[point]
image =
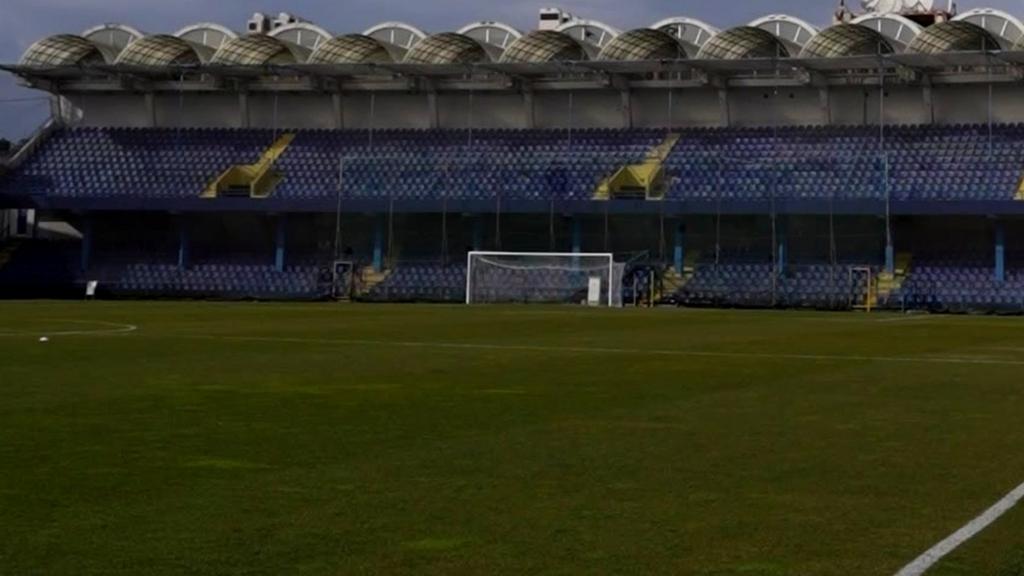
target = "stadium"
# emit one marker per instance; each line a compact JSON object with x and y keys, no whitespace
{"x":750,"y":181}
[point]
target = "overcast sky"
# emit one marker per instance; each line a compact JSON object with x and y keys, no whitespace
{"x":25,"y":21}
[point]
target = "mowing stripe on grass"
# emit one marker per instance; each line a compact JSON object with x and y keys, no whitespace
{"x":105,"y":328}
{"x":981,"y":361}
{"x":925,"y":561}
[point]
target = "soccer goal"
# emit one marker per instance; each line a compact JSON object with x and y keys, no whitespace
{"x":543,"y":277}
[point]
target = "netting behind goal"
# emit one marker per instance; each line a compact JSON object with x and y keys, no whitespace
{"x":531,"y":277}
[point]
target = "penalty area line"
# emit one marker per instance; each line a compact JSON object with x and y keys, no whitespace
{"x":925,"y":561}
{"x":605,"y":350}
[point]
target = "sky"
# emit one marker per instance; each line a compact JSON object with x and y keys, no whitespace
{"x":25,"y":21}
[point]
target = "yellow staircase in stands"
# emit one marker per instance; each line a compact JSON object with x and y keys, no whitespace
{"x":1020,"y":190}
{"x":889,"y":283}
{"x":369,"y":279}
{"x":251,"y":180}
{"x":645,"y":181}
{"x":673,"y":280}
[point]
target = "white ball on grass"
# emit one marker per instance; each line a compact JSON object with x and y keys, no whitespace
{"x":44,"y":339}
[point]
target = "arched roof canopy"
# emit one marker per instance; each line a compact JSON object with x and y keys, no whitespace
{"x":690,"y":32}
{"x":544,"y":46}
{"x":258,"y":50}
{"x":846,"y":40}
{"x":792,"y":31}
{"x":1007,"y":29}
{"x":160,"y":50}
{"x":743,"y":42}
{"x":496,"y":37}
{"x":593,"y":35}
{"x":643,"y":44}
{"x":447,"y":48}
{"x":304,"y":34}
{"x":899,"y":30}
{"x":952,"y":36}
{"x":400,"y":34}
{"x":208,"y":34}
{"x":62,"y":50}
{"x":355,"y":49}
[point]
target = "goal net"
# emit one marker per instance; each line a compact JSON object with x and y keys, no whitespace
{"x":543,"y":277}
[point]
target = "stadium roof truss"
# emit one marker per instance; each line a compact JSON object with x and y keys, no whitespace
{"x":62,"y":50}
{"x":208,"y":34}
{"x":304,"y":34}
{"x":900,"y":30}
{"x":793,"y":32}
{"x":258,"y":50}
{"x":399,"y":34}
{"x":846,"y":40}
{"x":692,"y":33}
{"x":1006,"y":28}
{"x":112,"y":38}
{"x":742,"y":43}
{"x":591,"y":34}
{"x":162,"y":50}
{"x":496,"y":37}
{"x":953,"y":36}
{"x":354,"y":49}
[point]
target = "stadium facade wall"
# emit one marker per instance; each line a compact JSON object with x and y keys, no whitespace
{"x":761,"y":106}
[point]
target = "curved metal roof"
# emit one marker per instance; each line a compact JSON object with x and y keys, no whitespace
{"x":591,"y":33}
{"x":899,"y":30}
{"x":403,"y":35}
{"x":256,"y":50}
{"x":1007,"y":29}
{"x":62,"y":50}
{"x":690,"y":32}
{"x":159,"y":50}
{"x":953,"y":36}
{"x":206,"y":34}
{"x":792,"y":31}
{"x":643,"y":44}
{"x":354,"y":49}
{"x":304,"y":34}
{"x":447,"y":48}
{"x":743,"y":42}
{"x":846,"y":40}
{"x":544,"y":46}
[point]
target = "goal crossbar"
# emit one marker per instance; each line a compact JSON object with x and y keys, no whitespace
{"x":474,"y":255}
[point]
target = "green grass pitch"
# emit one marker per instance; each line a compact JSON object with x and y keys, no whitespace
{"x":345,"y":439}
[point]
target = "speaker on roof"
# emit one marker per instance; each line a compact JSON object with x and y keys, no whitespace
{"x":258,"y":24}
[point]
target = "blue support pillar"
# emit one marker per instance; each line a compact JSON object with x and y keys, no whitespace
{"x":184,"y":244}
{"x":378,"y":244}
{"x":87,"y":240}
{"x":890,"y":258}
{"x":1000,"y":252}
{"x":478,"y":232}
{"x":577,"y":235}
{"x":280,"y":243}
{"x":679,"y":248}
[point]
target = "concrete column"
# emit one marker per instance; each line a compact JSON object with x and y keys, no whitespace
{"x":184,"y":244}
{"x":679,"y":248}
{"x":1000,"y":252}
{"x":435,"y":118}
{"x":529,"y":115}
{"x":378,"y":244}
{"x":626,"y":100}
{"x":339,"y":111}
{"x":825,"y":104}
{"x":723,"y":107}
{"x":243,"y":109}
{"x":151,"y":109}
{"x":87,"y":240}
{"x":928,"y":102}
{"x":890,"y":258}
{"x":280,"y":243}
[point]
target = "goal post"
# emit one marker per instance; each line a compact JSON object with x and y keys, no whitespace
{"x":593,"y":279}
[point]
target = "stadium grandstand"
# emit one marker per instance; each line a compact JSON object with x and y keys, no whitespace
{"x":875,"y":161}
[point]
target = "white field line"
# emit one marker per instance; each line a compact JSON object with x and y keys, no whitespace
{"x":107,"y":328}
{"x":628,"y":351}
{"x":925,"y":561}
